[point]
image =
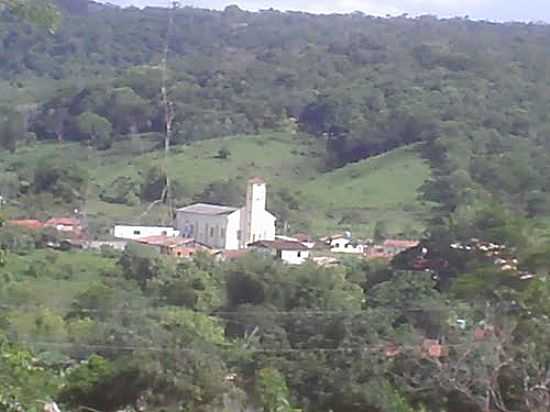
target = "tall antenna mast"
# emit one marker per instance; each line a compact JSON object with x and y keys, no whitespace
{"x":169,"y":115}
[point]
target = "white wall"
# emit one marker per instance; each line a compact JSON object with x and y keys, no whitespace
{"x":256,"y":222}
{"x":136,"y":232}
{"x":216,"y":231}
{"x":233,"y":231}
{"x":345,"y":246}
{"x":294,"y":257}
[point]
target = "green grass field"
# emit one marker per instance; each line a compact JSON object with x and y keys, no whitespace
{"x":353,"y":198}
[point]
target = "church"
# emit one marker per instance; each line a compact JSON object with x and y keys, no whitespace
{"x":230,"y":228}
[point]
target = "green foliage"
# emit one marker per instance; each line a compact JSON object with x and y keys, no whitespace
{"x":154,"y":184}
{"x":380,"y":232}
{"x":39,"y":12}
{"x":11,"y":129}
{"x":140,"y":263}
{"x":24,"y":381}
{"x":223,"y":192}
{"x":223,"y":153}
{"x":272,"y":392}
{"x":122,"y":190}
{"x":95,"y":128}
{"x":61,"y":177}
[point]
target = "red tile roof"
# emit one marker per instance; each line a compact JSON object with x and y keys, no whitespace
{"x":279,"y":245}
{"x":400,"y":244}
{"x":62,"y":221}
{"x":167,"y":241}
{"x":31,"y":224}
{"x":303,"y":237}
{"x":256,"y":179}
{"x":233,"y":254}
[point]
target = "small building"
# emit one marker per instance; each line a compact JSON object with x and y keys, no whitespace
{"x":30,"y":224}
{"x":344,"y":244}
{"x":174,"y":246}
{"x":66,"y":225}
{"x":231,"y":255}
{"x":227,"y":227}
{"x":304,"y":239}
{"x":291,"y":252}
{"x":119,"y":245}
{"x":132,"y":232}
{"x":377,"y":253}
{"x":395,"y":247}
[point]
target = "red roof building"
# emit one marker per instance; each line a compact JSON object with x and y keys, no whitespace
{"x":31,"y":224}
{"x":174,"y":246}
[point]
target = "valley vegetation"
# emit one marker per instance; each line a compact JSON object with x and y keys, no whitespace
{"x":424,"y":127}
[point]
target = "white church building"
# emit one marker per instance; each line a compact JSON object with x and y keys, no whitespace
{"x":231,"y":228}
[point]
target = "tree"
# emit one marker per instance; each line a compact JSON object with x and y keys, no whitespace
{"x":224,"y":153}
{"x":128,"y":112}
{"x":24,"y":380}
{"x":272,"y":392}
{"x":63,"y":179}
{"x":12,"y":129}
{"x":223,"y":192}
{"x":96,"y":129}
{"x":40,"y":12}
{"x":140,"y":263}
{"x":154,"y":184}
{"x":380,"y":232}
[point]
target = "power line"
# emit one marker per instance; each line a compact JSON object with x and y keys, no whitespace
{"x":164,"y":349}
{"x":216,"y":313}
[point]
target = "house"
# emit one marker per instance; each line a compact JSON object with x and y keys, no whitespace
{"x":119,"y":245}
{"x":291,"y":252}
{"x":30,"y":224}
{"x":395,"y":247}
{"x":226,"y":227}
{"x":174,"y":246}
{"x":304,"y":239}
{"x":344,"y":244}
{"x":66,"y":225}
{"x":230,"y":255}
{"x":377,"y":252}
{"x":131,"y":232}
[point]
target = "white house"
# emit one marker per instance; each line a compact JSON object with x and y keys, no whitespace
{"x":291,"y":252}
{"x":136,"y":232}
{"x":230,"y":228}
{"x":302,"y":238}
{"x":343,"y":244}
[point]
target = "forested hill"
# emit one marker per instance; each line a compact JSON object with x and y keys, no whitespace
{"x":476,"y":92}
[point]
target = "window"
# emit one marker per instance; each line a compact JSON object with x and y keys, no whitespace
{"x":211,"y":232}
{"x":222,"y":232}
{"x":164,"y":233}
{"x":299,"y":254}
{"x":238,"y":235}
{"x":137,"y":232}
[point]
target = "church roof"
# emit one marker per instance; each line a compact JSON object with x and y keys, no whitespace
{"x":208,"y":209}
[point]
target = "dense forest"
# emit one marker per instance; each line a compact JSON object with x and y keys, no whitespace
{"x":442,"y":327}
{"x":474,"y":92}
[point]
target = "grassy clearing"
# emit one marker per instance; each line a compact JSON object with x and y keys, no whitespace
{"x":384,"y":188}
{"x":353,"y":197}
{"x":36,"y":278}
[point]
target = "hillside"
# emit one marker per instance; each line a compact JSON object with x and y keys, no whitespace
{"x":358,"y":195}
{"x":474,"y":95}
